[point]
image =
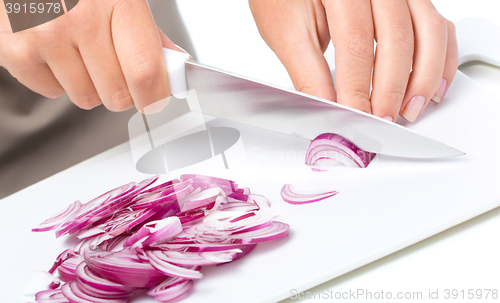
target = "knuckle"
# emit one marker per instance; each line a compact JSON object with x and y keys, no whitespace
{"x":359,"y":94}
{"x":393,"y":96}
{"x":356,"y":98}
{"x":144,"y":72}
{"x":321,"y":90}
{"x":401,"y":33}
{"x":307,"y":89}
{"x":438,"y":22}
{"x":20,"y":60}
{"x":20,"y":53}
{"x":358,"y":42}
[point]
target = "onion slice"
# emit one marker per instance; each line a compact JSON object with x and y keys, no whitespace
{"x":60,"y":218}
{"x":161,"y":263}
{"x":332,"y":150}
{"x":171,"y":289}
{"x":67,"y":270}
{"x":51,"y":296}
{"x":155,"y":232}
{"x":124,"y":267}
{"x":290,"y":195}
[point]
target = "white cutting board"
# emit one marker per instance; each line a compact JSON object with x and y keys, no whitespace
{"x":386,"y":207}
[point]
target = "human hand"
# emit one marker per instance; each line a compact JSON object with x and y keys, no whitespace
{"x":415,"y":61}
{"x":102,"y":51}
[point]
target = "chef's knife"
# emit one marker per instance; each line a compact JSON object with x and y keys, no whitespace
{"x":237,"y":98}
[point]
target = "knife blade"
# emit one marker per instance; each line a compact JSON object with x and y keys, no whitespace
{"x":240,"y":99}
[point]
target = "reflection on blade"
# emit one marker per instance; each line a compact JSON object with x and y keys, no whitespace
{"x":224,"y":95}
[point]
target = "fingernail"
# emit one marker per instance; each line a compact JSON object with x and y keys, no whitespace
{"x":155,"y":107}
{"x":388,"y":118}
{"x":440,"y":91}
{"x":190,"y":57}
{"x":180,"y":48}
{"x":413,"y":108}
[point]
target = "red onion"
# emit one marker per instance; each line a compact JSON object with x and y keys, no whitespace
{"x":332,"y":150}
{"x":56,"y":221}
{"x":290,"y":195}
{"x":155,"y":239}
{"x":162,"y":231}
{"x":67,"y":269}
{"x":200,"y":199}
{"x":124,"y":267}
{"x":51,"y":296}
{"x":327,"y":150}
{"x":158,"y":260}
{"x":260,"y":200}
{"x":170,"y":289}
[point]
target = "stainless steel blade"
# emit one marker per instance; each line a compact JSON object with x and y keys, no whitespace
{"x":236,"y":98}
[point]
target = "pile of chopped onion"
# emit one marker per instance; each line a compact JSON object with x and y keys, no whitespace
{"x":154,"y":239}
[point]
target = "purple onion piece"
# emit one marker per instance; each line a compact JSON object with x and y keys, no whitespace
{"x":51,"y":296}
{"x":331,"y":149}
{"x":164,"y":293}
{"x":290,"y":195}
{"x":158,"y":261}
{"x":57,"y":220}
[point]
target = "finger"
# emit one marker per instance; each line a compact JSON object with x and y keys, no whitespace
{"x":451,"y":64}
{"x":70,"y":71}
{"x":394,"y":35}
{"x":308,"y":70}
{"x":29,"y":69}
{"x":38,"y":78}
{"x":139,"y":50}
{"x":430,"y":30}
{"x":351,"y":29}
{"x":93,"y":38}
{"x":300,"y":44}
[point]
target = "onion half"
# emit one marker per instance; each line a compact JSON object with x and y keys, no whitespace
{"x":329,"y":149}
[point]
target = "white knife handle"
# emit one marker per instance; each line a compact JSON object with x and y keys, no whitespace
{"x":176,"y":71}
